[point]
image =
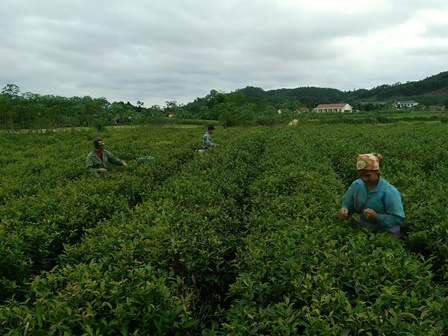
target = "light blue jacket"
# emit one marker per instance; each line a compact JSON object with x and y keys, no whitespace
{"x":207,"y":141}
{"x":385,"y":199}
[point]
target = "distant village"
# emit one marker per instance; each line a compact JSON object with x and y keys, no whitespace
{"x":378,"y":105}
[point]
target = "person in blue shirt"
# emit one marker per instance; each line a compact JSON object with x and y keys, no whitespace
{"x":207,"y":139}
{"x":377,"y":202}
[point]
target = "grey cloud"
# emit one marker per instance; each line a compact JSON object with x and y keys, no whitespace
{"x":155,"y":51}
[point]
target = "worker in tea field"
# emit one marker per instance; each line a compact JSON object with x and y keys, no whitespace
{"x":99,"y":159}
{"x":376,"y":201}
{"x":207,"y":139}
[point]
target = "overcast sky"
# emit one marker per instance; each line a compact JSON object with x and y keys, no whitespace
{"x":155,"y":51}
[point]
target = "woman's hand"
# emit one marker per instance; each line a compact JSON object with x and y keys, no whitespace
{"x":370,"y":214}
{"x":343,"y":213}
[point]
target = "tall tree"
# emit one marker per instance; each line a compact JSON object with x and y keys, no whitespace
{"x":8,"y":102}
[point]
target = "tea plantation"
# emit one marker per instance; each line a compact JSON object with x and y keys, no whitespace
{"x":243,"y":240}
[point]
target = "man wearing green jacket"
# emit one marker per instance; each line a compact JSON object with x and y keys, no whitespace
{"x":98,"y":160}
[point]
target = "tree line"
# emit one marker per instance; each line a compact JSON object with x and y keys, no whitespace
{"x":33,"y":111}
{"x":247,"y":106}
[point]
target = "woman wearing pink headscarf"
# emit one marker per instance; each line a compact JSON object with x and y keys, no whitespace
{"x":376,"y":201}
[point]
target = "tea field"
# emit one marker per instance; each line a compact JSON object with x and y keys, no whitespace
{"x":243,"y":240}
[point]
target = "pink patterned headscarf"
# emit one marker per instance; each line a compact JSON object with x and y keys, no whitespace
{"x":369,"y":161}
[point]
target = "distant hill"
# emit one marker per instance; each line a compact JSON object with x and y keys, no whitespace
{"x":431,"y":91}
{"x":305,"y":95}
{"x":427,"y":92}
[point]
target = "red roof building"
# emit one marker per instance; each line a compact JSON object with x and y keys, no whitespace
{"x":343,"y":107}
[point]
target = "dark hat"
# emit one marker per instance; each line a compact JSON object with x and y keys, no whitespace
{"x":211,"y":127}
{"x":99,"y":143}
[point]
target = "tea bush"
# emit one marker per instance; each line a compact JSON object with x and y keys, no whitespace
{"x":243,"y":240}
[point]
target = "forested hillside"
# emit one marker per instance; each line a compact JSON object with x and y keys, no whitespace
{"x":427,"y":92}
{"x":248,"y":106}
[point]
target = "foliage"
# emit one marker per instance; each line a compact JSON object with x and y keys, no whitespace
{"x":33,"y":111}
{"x":243,"y":107}
{"x":428,"y":92}
{"x":242,"y":240}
